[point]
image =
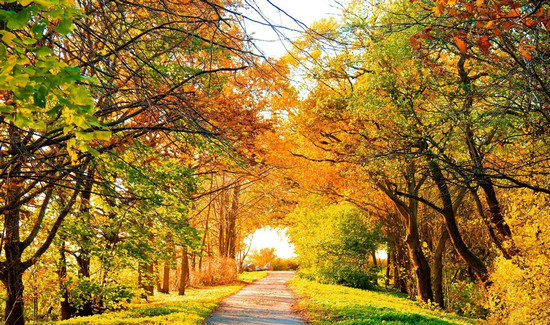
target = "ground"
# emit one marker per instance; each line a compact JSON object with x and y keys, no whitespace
{"x":267,"y":301}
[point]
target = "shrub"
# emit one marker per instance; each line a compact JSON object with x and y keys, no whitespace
{"x":215,"y":271}
{"x":333,"y":243}
{"x":466,"y":298}
{"x":285,"y":264}
{"x":343,"y":274}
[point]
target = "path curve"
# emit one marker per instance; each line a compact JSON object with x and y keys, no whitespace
{"x":266,"y":301}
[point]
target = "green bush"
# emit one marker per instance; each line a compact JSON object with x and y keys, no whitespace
{"x":99,"y":297}
{"x":334,"y":244}
{"x":343,"y":274}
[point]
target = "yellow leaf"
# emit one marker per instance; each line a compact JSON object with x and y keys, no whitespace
{"x":8,"y":37}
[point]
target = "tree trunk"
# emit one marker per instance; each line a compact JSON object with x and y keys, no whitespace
{"x":231,"y":224}
{"x":12,"y":273}
{"x":66,"y":309}
{"x":165,"y":279}
{"x":421,"y":269}
{"x":477,"y":266}
{"x":184,"y":274}
{"x":13,"y":281}
{"x":145,"y":280}
{"x":409,"y":216}
{"x":373,"y":255}
{"x":437,"y":269}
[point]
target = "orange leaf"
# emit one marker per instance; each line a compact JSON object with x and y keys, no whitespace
{"x":514,"y":13}
{"x":462,"y":46}
{"x":531,"y":23}
{"x":526,"y":54}
{"x":484,"y":44}
{"x":414,"y":42}
{"x":540,"y":12}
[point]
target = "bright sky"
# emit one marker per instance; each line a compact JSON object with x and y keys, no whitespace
{"x":305,"y":11}
{"x":272,"y":238}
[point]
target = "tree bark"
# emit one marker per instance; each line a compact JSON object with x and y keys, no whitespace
{"x":409,"y":216}
{"x":184,"y":273}
{"x":437,"y":269}
{"x":165,"y":279}
{"x":477,"y":266}
{"x":373,"y":255}
{"x":66,"y":309}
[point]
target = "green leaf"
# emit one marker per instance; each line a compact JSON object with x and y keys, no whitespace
{"x":40,"y":97}
{"x":87,"y":136}
{"x":52,"y":113}
{"x":64,"y":27}
{"x":38,"y":28}
{"x":43,"y":51}
{"x":19,"y":20}
{"x":6,"y":109}
{"x":20,"y":80}
{"x":21,"y":120}
{"x":87,"y":148}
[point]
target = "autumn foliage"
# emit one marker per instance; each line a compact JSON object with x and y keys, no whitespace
{"x":143,"y":142}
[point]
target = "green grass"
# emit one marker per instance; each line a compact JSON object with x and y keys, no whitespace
{"x":192,"y":308}
{"x":334,"y":304}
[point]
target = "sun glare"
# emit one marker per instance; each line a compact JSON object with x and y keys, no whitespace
{"x":272,"y":238}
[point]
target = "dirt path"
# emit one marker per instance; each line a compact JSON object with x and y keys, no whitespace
{"x":267,"y":301}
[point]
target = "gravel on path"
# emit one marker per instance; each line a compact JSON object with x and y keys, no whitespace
{"x":266,"y":301}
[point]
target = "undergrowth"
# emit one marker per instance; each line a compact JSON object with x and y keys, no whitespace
{"x":192,"y":308}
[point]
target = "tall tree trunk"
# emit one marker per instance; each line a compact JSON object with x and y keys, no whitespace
{"x":165,"y":279}
{"x":83,"y":257}
{"x":231,"y":222}
{"x":389,"y":265}
{"x":421,"y":269}
{"x":409,"y":216}
{"x":13,"y":281}
{"x":184,"y":273}
{"x":373,"y":255}
{"x":399,"y":278}
{"x":484,"y":181}
{"x":12,"y":273}
{"x":437,"y":268}
{"x":66,"y":309}
{"x":477,"y":266}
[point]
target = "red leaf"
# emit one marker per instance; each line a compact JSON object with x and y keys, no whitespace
{"x":484,"y":44}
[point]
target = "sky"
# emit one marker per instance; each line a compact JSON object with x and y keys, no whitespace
{"x":272,"y":238}
{"x":304,"y":11}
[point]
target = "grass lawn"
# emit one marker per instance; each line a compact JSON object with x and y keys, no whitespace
{"x":334,"y":304}
{"x":192,"y":308}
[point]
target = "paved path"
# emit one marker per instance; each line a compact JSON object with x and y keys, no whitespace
{"x":266,"y":301}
